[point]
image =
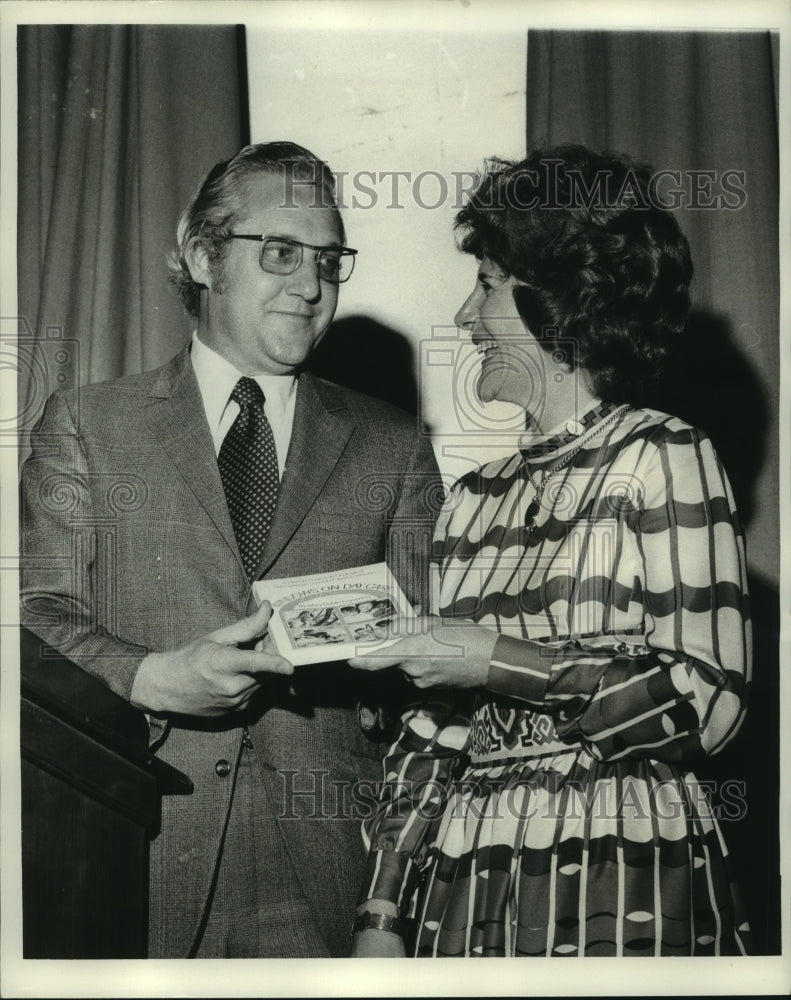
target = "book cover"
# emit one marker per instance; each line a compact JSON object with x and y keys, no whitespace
{"x":332,"y":616}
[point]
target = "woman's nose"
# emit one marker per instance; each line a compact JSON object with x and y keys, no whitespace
{"x":468,"y":312}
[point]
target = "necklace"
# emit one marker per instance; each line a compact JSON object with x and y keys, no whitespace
{"x":535,"y":504}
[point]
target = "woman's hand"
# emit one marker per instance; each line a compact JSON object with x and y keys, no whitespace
{"x":436,"y":651}
{"x":372,"y":943}
{"x":375,"y":943}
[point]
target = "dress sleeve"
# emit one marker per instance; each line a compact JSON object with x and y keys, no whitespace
{"x":682,"y":691}
{"x":417,"y":772}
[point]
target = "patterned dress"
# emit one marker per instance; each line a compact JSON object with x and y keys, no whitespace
{"x":553,"y":812}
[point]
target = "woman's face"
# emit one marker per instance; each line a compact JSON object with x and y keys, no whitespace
{"x":513,"y":366}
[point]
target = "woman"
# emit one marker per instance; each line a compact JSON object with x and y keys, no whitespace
{"x":591,"y":633}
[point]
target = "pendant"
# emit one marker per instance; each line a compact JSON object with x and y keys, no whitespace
{"x":531,"y":513}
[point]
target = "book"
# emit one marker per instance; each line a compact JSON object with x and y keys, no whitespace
{"x":333,"y":616}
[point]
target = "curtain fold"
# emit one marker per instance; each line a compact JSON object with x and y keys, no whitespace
{"x":117,"y":125}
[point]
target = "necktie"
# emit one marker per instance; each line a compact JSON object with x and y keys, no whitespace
{"x":248,"y":469}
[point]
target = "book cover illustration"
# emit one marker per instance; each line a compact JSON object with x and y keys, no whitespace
{"x":332,"y":616}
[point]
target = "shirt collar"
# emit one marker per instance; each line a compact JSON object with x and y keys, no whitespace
{"x":217,"y":377}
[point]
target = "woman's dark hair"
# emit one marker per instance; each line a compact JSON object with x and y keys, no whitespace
{"x":221,"y":198}
{"x":605,"y":269}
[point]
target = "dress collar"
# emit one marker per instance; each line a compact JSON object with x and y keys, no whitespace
{"x":539,"y":448}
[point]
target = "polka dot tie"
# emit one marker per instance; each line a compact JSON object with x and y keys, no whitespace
{"x":248,"y":468}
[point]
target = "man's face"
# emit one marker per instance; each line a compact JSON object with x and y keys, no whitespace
{"x":269,"y":323}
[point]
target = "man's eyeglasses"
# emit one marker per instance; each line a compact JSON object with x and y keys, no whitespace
{"x":280,"y":255}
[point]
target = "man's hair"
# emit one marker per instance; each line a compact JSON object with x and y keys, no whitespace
{"x":602,"y":265}
{"x":214,"y":208}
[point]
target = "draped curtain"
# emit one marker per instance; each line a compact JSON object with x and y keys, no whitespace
{"x":694,"y":102}
{"x":117,"y":125}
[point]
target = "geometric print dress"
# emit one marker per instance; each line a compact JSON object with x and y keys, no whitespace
{"x":554,"y":812}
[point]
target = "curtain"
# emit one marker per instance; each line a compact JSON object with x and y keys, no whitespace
{"x":117,"y":125}
{"x":695,"y":102}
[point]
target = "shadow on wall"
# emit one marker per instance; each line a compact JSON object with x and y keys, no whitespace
{"x":360,"y":353}
{"x":714,"y":386}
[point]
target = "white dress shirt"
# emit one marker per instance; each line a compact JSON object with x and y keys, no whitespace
{"x":216,"y":380}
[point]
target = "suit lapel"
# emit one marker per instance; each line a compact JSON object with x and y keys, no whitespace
{"x":321,"y":431}
{"x":177,"y":419}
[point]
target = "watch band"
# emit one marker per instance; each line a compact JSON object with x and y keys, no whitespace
{"x":380,"y":922}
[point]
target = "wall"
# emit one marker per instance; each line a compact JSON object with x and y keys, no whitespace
{"x":434,"y":104}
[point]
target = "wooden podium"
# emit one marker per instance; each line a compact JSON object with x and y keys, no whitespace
{"x":90,"y":804}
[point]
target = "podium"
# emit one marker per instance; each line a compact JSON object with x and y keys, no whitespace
{"x":91,"y":796}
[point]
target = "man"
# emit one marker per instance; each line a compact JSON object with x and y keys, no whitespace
{"x":151,"y":504}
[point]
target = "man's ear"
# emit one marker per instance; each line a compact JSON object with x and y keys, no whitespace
{"x":197,"y":259}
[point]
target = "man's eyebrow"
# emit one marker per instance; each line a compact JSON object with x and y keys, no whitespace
{"x":287,"y":236}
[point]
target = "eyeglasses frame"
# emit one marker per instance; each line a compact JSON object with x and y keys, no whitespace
{"x":263,"y":237}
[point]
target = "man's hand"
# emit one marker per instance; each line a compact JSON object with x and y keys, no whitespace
{"x":208,"y":676}
{"x":436,"y":651}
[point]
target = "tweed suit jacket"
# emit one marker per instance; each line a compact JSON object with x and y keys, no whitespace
{"x":128,"y":547}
